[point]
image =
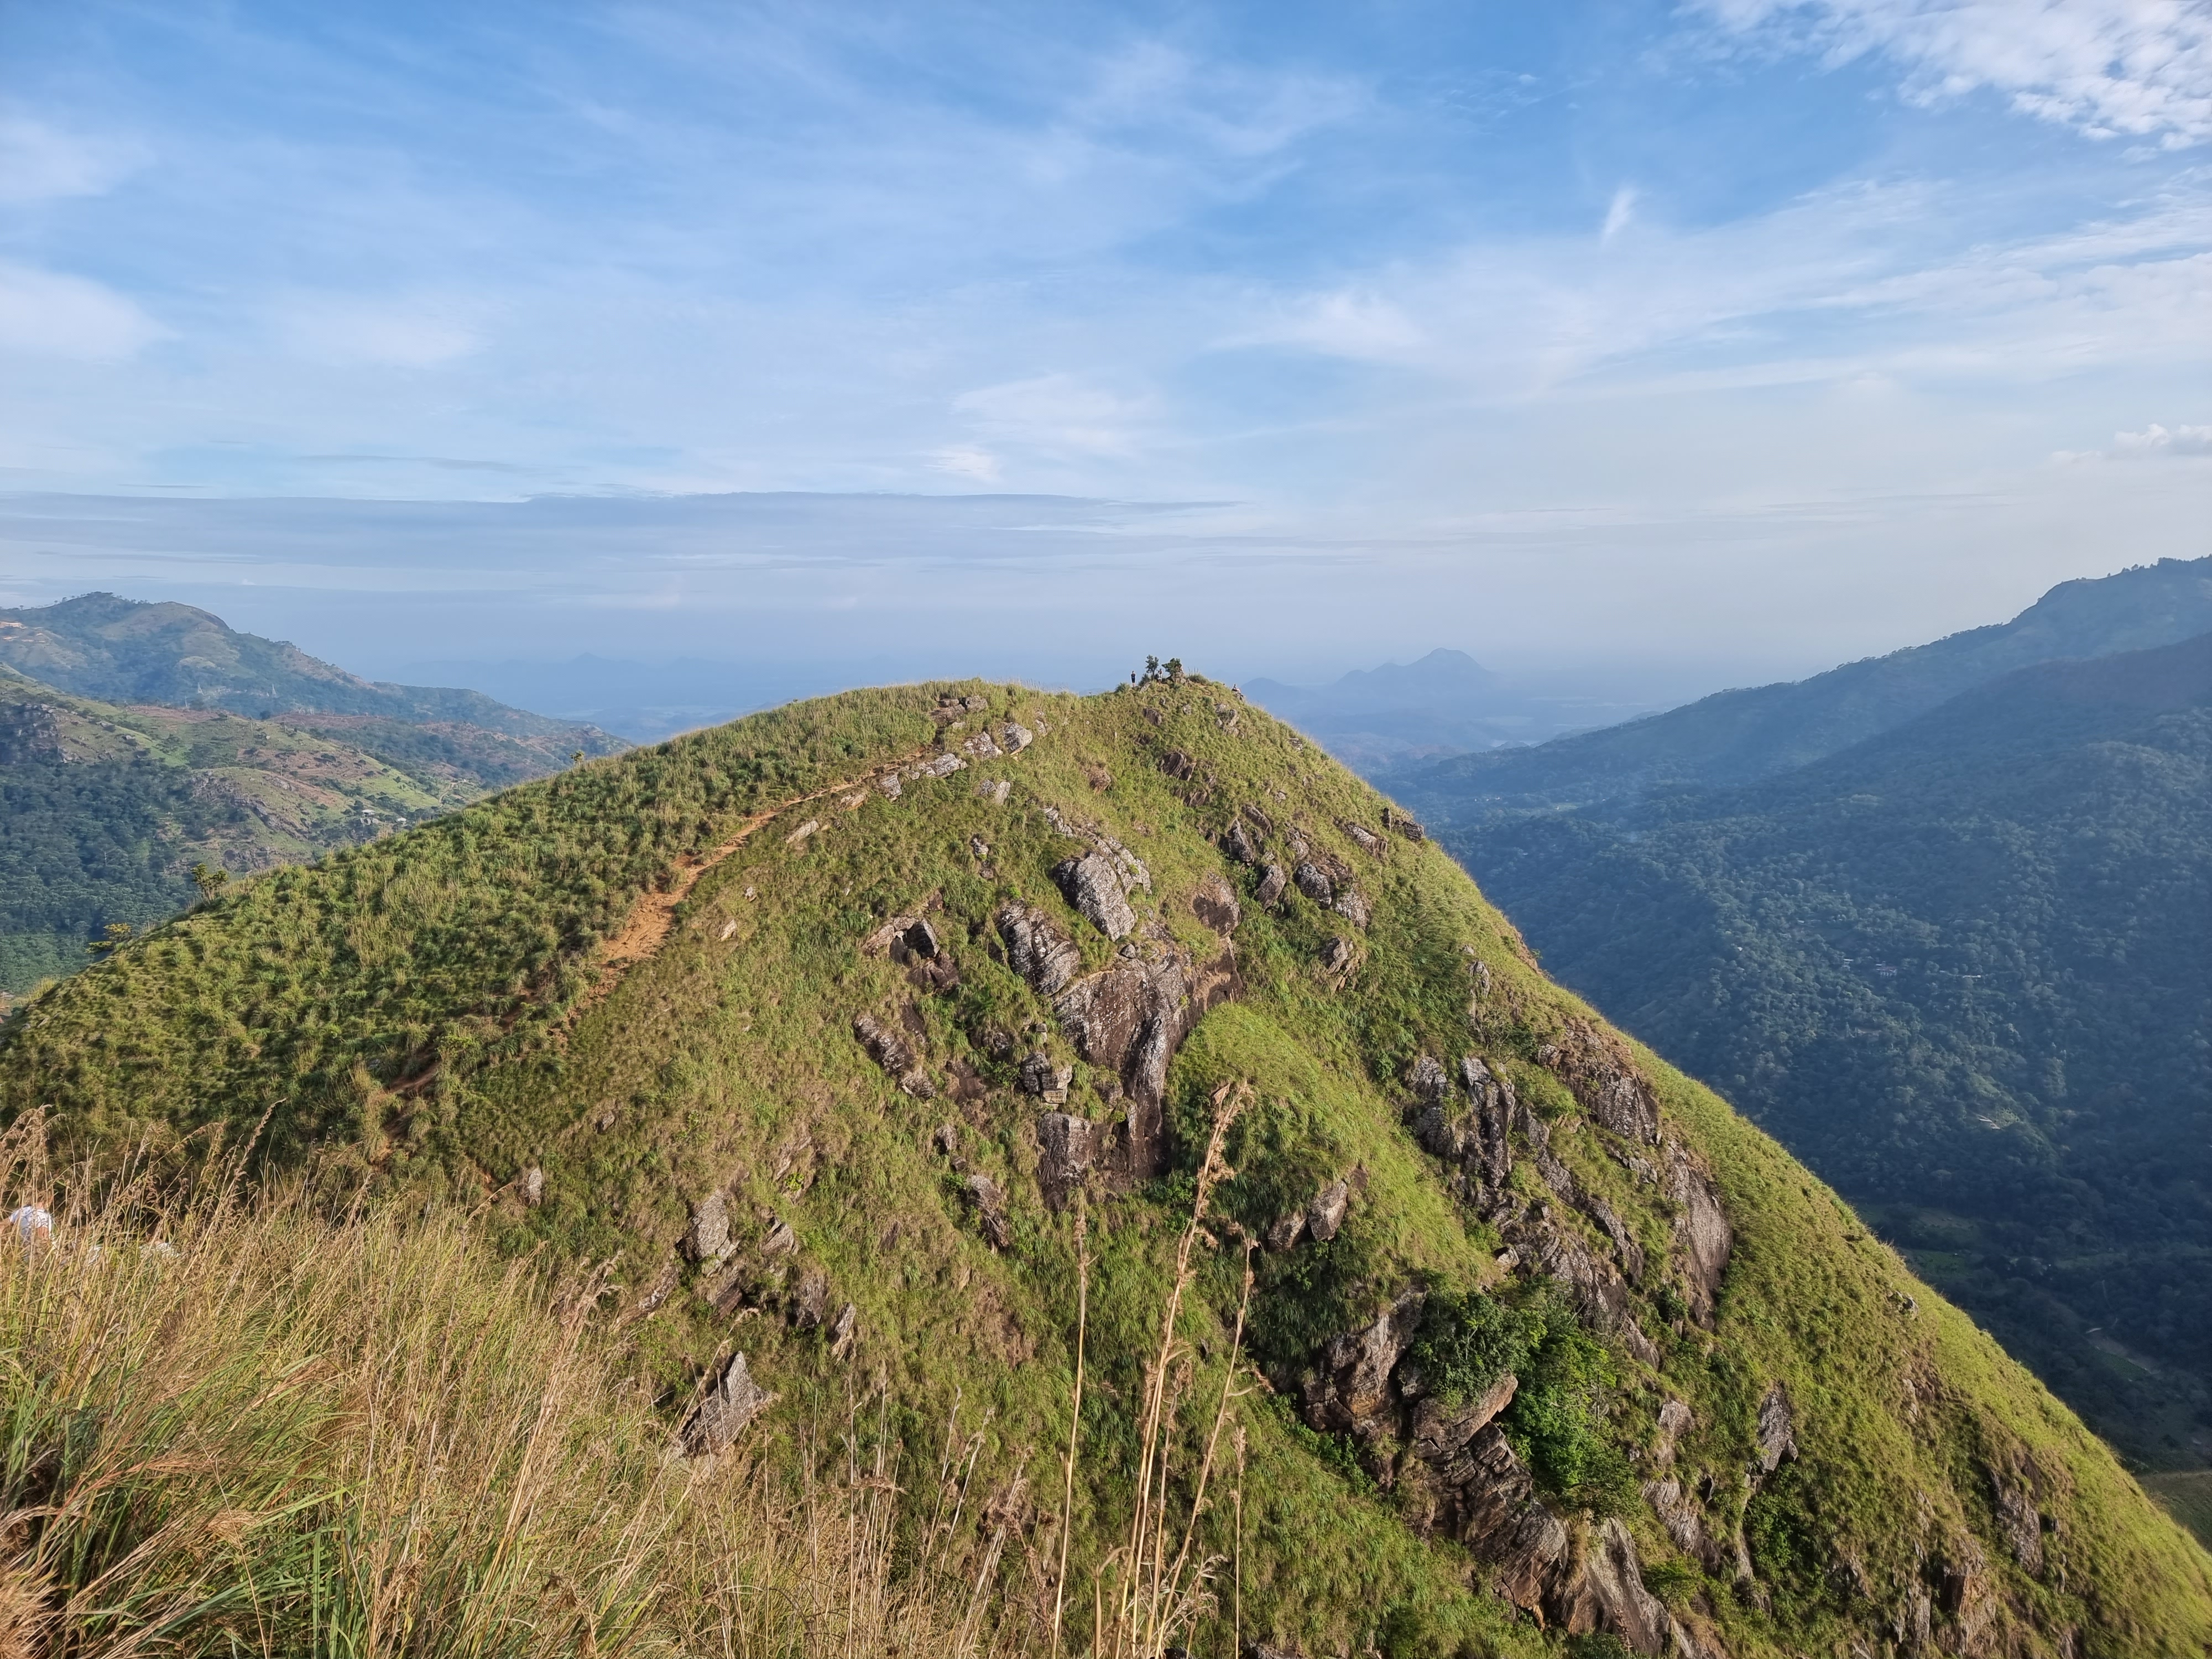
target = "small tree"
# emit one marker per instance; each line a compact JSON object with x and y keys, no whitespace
{"x":118,"y":934}
{"x":210,"y":878}
{"x":575,"y":757}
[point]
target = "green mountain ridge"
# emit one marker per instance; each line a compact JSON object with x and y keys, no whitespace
{"x":827,"y":1025}
{"x":1739,"y":737}
{"x":1959,"y":968}
{"x":123,"y":651}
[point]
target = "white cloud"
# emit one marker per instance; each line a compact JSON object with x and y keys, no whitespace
{"x":1619,"y":215}
{"x":2155,"y":439}
{"x":2139,"y":69}
{"x":348,"y":332}
{"x":41,"y":163}
{"x":967,"y":461}
{"x":1058,"y":414}
{"x":48,"y":313}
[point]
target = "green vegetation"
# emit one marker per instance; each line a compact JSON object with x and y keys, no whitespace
{"x":108,"y":813}
{"x":582,"y":1010}
{"x":1960,"y":970}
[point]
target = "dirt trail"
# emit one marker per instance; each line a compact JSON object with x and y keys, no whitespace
{"x":646,"y":927}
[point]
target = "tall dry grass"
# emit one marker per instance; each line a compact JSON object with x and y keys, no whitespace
{"x":238,"y":1426}
{"x":235,"y":1424}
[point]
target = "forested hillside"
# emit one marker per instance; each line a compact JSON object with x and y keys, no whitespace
{"x":104,"y":809}
{"x":1962,"y":970}
{"x":1113,"y":1125}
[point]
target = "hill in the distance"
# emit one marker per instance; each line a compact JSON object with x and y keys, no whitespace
{"x":123,"y":651}
{"x":1738,"y":736}
{"x":1402,"y":713}
{"x":137,"y":740}
{"x":889,"y":1041}
{"x":1960,"y":969}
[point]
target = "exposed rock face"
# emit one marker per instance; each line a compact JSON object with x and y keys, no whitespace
{"x":1611,"y":1596}
{"x":707,"y":1237}
{"x":1036,"y":949}
{"x":1366,"y":839}
{"x":884,"y":1046}
{"x":1015,"y":738}
{"x":1272,"y":881}
{"x":1351,"y":905}
{"x":1066,"y":1146}
{"x":1608,"y":1085}
{"x":1337,"y":953}
{"x":989,"y":1201}
{"x":533,"y":1187}
{"x":2019,"y":1520}
{"x":1701,"y":1231}
{"x":842,"y":1331}
{"x":1177,"y":765}
{"x":1130,"y":1020}
{"x":1095,"y":887}
{"x":1239,"y":845}
{"x":733,"y":1401}
{"x":1327,"y":1212}
{"x":1215,"y":906}
{"x":1287,"y":1230}
{"x":1351,"y":1391}
{"x":1441,"y":1432}
{"x":1425,"y":1078}
{"x":1675,"y":1420}
{"x":1777,"y":1438}
{"x":810,"y":1303}
{"x":1313,"y":881}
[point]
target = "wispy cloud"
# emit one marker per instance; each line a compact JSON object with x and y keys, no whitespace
{"x":2153,"y":442}
{"x":50,"y":313}
{"x":2109,"y":69}
{"x":41,"y":162}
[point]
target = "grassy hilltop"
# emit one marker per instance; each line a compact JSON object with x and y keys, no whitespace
{"x":906,"y":1080}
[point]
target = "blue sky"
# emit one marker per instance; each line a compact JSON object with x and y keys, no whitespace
{"x":1706,"y":342}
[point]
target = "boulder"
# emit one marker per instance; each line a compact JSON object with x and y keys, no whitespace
{"x":1239,"y":845}
{"x":995,"y":791}
{"x":533,"y":1187}
{"x":780,"y":1240}
{"x":1325,"y":1215}
{"x":990,"y":1202}
{"x":733,"y":1401}
{"x":1177,"y":765}
{"x":707,"y":1237}
{"x":1014,"y":738}
{"x":842,"y":1330}
{"x":1409,"y":827}
{"x":1094,"y":886}
{"x":1337,"y":953}
{"x":1287,"y":1230}
{"x":1035,"y":949}
{"x":1272,"y":881}
{"x":1066,"y":1146}
{"x":1215,"y":905}
{"x":1351,"y":905}
{"x":980,"y":747}
{"x":1367,"y":840}
{"x":1313,"y":881}
{"x":1044,"y":1079}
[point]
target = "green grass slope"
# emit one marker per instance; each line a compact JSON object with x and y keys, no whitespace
{"x":736,"y":1015}
{"x":1960,"y":970}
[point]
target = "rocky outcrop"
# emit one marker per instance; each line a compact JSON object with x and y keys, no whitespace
{"x":1130,"y":1020}
{"x":1045,"y":1079}
{"x":2019,"y":1522}
{"x":1325,"y":1215}
{"x":1239,"y":844}
{"x":1351,"y":1391}
{"x":1607,"y":1084}
{"x":1272,"y":881}
{"x":706,"y":1239}
{"x":1066,"y":1148}
{"x":989,"y":1199}
{"x":1777,"y":1436}
{"x":733,"y":1401}
{"x":1313,"y":881}
{"x":1094,"y":886}
{"x":1036,"y":949}
{"x":891,"y":1051}
{"x":1702,"y":1234}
